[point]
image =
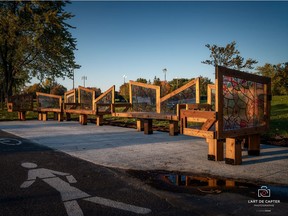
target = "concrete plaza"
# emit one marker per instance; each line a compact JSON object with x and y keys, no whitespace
{"x":126,"y":148}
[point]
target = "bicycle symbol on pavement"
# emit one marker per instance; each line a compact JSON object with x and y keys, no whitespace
{"x":10,"y":141}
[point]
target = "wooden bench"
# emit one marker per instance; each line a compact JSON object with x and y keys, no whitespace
{"x":242,"y":113}
{"x":90,"y":105}
{"x":49,"y":103}
{"x":147,"y":97}
{"x":20,"y":104}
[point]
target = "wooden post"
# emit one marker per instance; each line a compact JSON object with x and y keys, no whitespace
{"x":140,"y":125}
{"x":39,"y":116}
{"x":44,"y":116}
{"x":60,"y":116}
{"x":215,"y":150}
{"x":148,"y":126}
{"x":83,"y":119}
{"x":183,"y":124}
{"x":99,"y":120}
{"x":22,"y":115}
{"x":173,"y":128}
{"x":254,"y":145}
{"x":233,"y":152}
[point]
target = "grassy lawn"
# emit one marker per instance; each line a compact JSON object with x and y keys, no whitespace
{"x":279,"y":117}
{"x":278,"y":123}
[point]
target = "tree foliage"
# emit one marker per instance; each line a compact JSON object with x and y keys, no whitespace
{"x":228,"y":56}
{"x":34,"y":42}
{"x":279,"y":77}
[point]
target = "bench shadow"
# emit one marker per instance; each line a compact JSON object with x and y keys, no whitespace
{"x":266,"y":156}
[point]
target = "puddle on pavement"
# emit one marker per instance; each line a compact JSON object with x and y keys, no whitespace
{"x":203,"y":185}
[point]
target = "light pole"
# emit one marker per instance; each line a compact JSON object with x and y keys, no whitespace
{"x":73,"y":79}
{"x":84,"y":78}
{"x":164,"y":71}
{"x":124,"y":77}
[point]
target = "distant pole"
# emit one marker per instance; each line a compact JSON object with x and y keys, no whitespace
{"x":124,"y":77}
{"x":73,"y":79}
{"x":84,"y":78}
{"x":164,"y":71}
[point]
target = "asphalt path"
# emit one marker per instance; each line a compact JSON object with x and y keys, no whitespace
{"x":36,"y":180}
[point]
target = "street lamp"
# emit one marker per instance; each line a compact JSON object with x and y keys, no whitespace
{"x":73,"y":79}
{"x":84,"y":78}
{"x":124,"y":77}
{"x":164,"y":71}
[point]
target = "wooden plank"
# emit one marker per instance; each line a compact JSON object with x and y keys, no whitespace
{"x":81,"y":111}
{"x":206,"y":107}
{"x":177,"y":91}
{"x":233,"y":152}
{"x":48,"y":110}
{"x":208,"y":124}
{"x":147,"y":115}
{"x":112,"y":90}
{"x":198,"y":133}
{"x":48,"y":95}
{"x":243,"y":132}
{"x":210,"y":87}
{"x":144,"y":85}
{"x":60,"y":116}
{"x":44,"y":116}
{"x":198,"y":90}
{"x":222,"y":71}
{"x":198,"y":114}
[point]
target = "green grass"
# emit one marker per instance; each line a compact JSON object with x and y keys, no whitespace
{"x":278,"y":120}
{"x":279,"y":117}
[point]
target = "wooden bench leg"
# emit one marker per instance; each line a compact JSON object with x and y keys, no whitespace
{"x":233,"y":152}
{"x":83,"y":119}
{"x":22,"y":116}
{"x":39,"y":116}
{"x":140,"y":125}
{"x":44,"y":116}
{"x":254,"y":145}
{"x":148,"y":126}
{"x":173,"y":128}
{"x":99,"y":120}
{"x":68,"y":117}
{"x":60,"y":116}
{"x":215,"y":150}
{"x":183,"y":124}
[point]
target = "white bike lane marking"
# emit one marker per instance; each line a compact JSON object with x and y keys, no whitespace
{"x":10,"y":141}
{"x":70,"y":194}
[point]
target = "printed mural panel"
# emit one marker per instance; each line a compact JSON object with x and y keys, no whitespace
{"x":243,"y":102}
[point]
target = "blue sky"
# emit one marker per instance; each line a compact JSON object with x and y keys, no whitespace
{"x":140,"y":39}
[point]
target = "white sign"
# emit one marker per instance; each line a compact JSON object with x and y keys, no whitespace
{"x":70,"y":194}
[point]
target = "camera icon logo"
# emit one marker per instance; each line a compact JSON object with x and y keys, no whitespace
{"x":264,"y":192}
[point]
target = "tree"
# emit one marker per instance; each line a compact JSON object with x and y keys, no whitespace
{"x":141,"y":80}
{"x":34,"y":42}
{"x":279,"y":77}
{"x":124,"y":91}
{"x":228,"y":57}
